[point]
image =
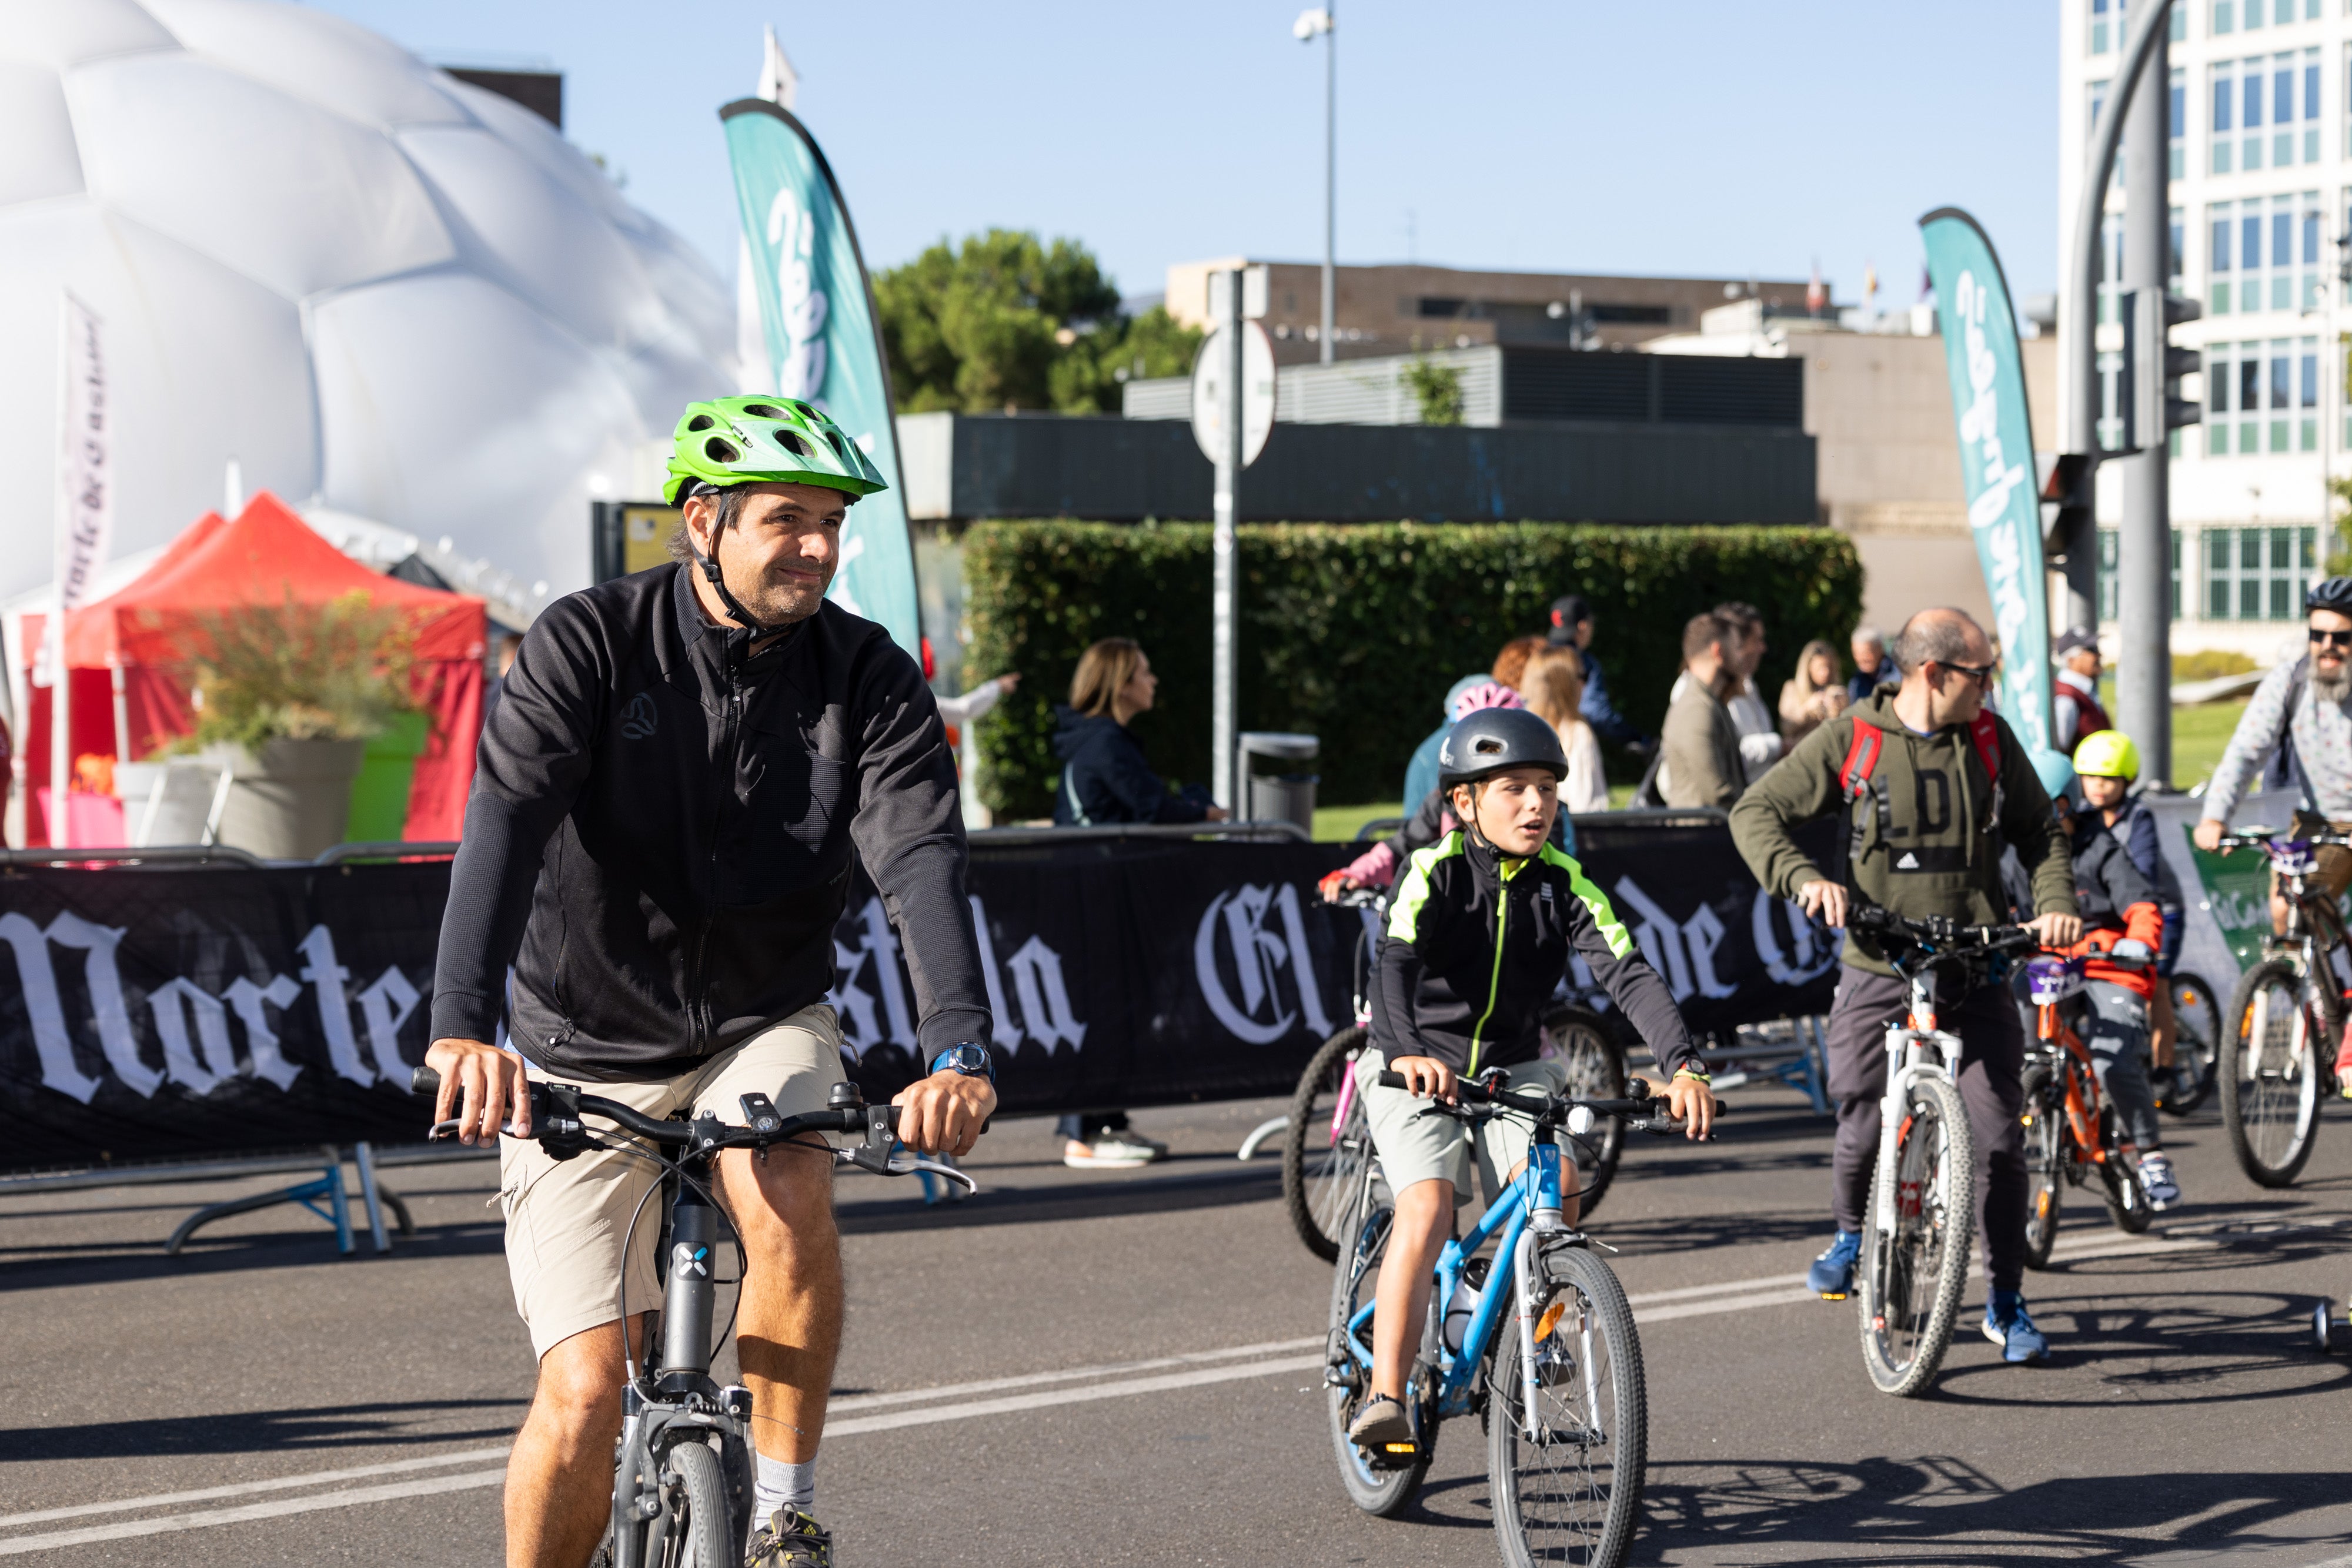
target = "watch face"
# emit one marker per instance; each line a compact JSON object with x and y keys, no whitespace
{"x":966,"y":1059}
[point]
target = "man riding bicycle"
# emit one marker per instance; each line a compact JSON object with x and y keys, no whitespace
{"x":2303,"y":711}
{"x":1932,"y":785}
{"x":1480,"y":933}
{"x":660,"y":842}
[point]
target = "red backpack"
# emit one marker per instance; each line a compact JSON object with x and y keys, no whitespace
{"x":1862,"y":760}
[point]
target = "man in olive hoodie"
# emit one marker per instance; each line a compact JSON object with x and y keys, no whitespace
{"x":1933,"y":827}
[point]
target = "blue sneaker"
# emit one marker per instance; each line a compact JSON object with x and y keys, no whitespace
{"x":1831,"y":1275}
{"x":2007,"y":1326}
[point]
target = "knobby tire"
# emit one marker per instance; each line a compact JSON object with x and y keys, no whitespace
{"x":1572,"y":1496}
{"x":2049,"y":1146}
{"x":1382,"y":1494}
{"x":1909,"y":1284}
{"x":2270,"y":1102}
{"x":1320,"y":1175}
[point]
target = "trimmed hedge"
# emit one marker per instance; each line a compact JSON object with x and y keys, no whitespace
{"x":1354,"y":632}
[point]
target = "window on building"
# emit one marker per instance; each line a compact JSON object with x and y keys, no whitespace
{"x":2177,"y":248}
{"x":2225,"y":16}
{"x":2306,"y":395}
{"x":2249,"y":114}
{"x":2110,"y":555}
{"x":2225,"y":120}
{"x":2310,"y":106}
{"x":2283,"y":75}
{"x":2099,"y":34}
{"x":2258,"y":573}
{"x":2217,"y":260}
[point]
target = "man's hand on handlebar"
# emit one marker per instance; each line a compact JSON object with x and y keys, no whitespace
{"x":1824,"y":901}
{"x":942,"y":1115}
{"x":2207,"y":835}
{"x":490,"y":1083}
{"x":1425,"y":1077}
{"x":2056,"y":930}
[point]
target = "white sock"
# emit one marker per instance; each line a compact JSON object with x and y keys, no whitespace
{"x":783,"y":1484}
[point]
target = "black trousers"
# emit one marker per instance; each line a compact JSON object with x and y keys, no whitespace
{"x":1992,"y":1059}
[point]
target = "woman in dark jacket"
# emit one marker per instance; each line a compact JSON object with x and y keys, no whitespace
{"x":1107,"y":779}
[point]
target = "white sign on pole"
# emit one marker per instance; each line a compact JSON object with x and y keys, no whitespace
{"x":85,"y":525}
{"x":1257,"y":393}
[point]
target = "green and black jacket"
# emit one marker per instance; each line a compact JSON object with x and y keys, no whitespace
{"x":1928,"y":826}
{"x":1478,"y":942}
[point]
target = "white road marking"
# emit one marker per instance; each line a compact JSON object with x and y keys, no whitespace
{"x":1030,"y":1380}
{"x":1074,"y":1395}
{"x":1658,"y":1306}
{"x":277,"y":1483}
{"x":123,"y":1529}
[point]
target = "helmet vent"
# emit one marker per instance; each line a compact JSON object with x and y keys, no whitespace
{"x":764,"y":411}
{"x":1488,"y":746}
{"x":840,"y":443}
{"x":792,"y":441}
{"x":701,"y":422}
{"x":719,"y":451}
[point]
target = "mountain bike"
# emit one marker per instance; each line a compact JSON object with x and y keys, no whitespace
{"x":1327,"y":1143}
{"x":683,"y":1470}
{"x":2277,"y":1056}
{"x":2071,"y":1128}
{"x":1560,"y":1393}
{"x":1922,"y":1214}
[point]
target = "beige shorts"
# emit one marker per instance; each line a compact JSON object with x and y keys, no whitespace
{"x":1417,"y":1142}
{"x":566,"y":1219}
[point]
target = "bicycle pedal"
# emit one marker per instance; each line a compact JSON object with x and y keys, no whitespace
{"x":1390,"y":1455}
{"x":1836,"y":1295}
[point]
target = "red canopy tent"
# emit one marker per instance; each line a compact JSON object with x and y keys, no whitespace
{"x":266,"y":554}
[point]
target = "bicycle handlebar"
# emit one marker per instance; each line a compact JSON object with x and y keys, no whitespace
{"x":1639,"y":1111}
{"x":557,"y":1116}
{"x":2259,"y":838}
{"x":1940,"y":935}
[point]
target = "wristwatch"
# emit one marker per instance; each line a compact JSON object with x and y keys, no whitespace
{"x":971,"y":1061}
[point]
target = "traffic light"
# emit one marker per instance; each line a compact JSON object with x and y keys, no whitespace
{"x":2151,"y":406}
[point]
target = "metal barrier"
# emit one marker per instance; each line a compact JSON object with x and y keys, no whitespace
{"x":388,"y":850}
{"x":154,"y":854}
{"x":1258,"y":831}
{"x":1800,"y":1060}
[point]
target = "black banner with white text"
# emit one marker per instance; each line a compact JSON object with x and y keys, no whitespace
{"x":186,"y":1012}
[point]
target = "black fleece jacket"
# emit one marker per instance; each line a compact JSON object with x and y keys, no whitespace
{"x":660,"y":834}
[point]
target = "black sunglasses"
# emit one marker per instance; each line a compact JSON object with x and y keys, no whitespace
{"x":1979,"y":673}
{"x":2333,"y":639}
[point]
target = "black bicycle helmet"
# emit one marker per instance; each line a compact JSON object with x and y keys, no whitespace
{"x":2335,"y":594}
{"x":1492,"y":740}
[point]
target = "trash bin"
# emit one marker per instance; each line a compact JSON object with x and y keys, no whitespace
{"x":1277,"y":789}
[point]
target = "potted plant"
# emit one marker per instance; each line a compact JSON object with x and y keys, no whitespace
{"x":287,"y":697}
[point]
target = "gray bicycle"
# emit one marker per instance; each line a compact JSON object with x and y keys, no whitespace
{"x":682,"y":1473}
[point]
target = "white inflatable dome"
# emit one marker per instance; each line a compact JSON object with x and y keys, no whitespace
{"x":388,"y":294}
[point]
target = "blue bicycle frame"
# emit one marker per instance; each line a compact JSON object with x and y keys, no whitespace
{"x":1529,"y":1207}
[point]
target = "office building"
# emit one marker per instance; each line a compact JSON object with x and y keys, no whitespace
{"x":1400,"y":309}
{"x":2261,"y":146}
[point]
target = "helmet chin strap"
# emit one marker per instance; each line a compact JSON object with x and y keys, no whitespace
{"x":710,"y":564}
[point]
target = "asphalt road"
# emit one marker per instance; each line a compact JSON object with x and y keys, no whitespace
{"x":1151,"y":1339}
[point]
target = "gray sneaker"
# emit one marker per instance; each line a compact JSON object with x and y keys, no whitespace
{"x":1112,"y":1151}
{"x":1381,"y":1421}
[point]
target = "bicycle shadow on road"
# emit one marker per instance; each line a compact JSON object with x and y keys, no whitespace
{"x":1226,"y":1183}
{"x":407,"y":1424}
{"x":1942,"y":1510}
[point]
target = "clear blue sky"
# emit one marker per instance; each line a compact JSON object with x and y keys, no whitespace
{"x":1710,"y":137}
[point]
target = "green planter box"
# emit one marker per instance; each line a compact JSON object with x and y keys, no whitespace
{"x":380,"y":794}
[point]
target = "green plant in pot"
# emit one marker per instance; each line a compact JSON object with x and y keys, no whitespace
{"x":286,"y":697}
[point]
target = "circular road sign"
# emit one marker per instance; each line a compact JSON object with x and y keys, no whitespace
{"x":1257,"y":393}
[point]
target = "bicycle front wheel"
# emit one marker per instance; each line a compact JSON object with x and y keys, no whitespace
{"x":1596,"y":1071}
{"x":2196,"y":1041}
{"x":695,"y":1528}
{"x":1911,"y":1278}
{"x":2268,"y":1072}
{"x":1324,"y":1152}
{"x":1567,"y":1486}
{"x":1381,"y":1490}
{"x":2046,"y":1154}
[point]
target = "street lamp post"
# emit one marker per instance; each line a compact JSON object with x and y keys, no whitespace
{"x":1325,"y":21}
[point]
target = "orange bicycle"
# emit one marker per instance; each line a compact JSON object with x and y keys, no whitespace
{"x":2070,"y":1129}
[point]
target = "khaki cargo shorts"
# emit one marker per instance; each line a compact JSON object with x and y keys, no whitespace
{"x":566,"y":1219}
{"x":1417,"y":1142}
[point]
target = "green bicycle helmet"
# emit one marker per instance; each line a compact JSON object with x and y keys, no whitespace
{"x":762,"y":439}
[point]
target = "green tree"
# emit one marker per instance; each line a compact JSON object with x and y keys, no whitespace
{"x":1006,"y":321}
{"x":1437,"y":387}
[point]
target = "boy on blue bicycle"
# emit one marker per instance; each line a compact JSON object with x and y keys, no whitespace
{"x":1480,"y":933}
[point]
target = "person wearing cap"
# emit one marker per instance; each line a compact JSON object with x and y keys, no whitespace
{"x":2074,"y":697}
{"x":1453,"y":999}
{"x":2106,"y":766}
{"x":1572,"y":627}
